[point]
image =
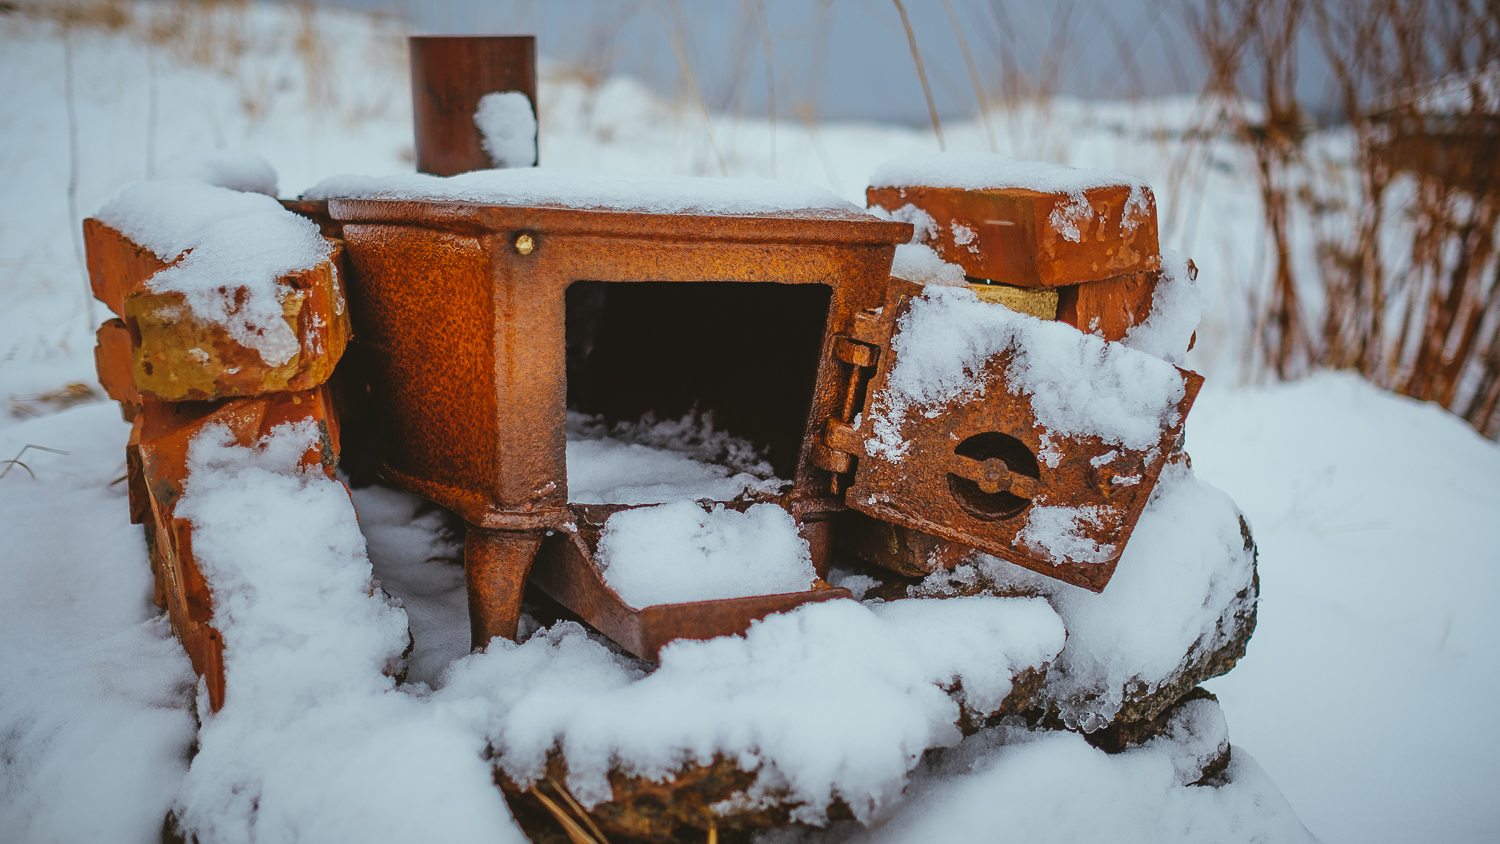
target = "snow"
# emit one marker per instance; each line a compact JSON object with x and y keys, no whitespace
{"x":1014,"y":784}
{"x":96,"y":711}
{"x":1367,"y":691}
{"x":609,"y":471}
{"x":834,"y":698}
{"x":1380,"y":606}
{"x":675,"y":553}
{"x":1078,"y":384}
{"x":924,"y":228}
{"x":508,"y":126}
{"x":312,"y":743}
{"x":1176,"y":310}
{"x":238,"y":245}
{"x":598,"y":190}
{"x":656,"y":462}
{"x":989,"y":171}
{"x":917,"y":263}
{"x":1185,"y":572}
{"x":234,"y":169}
{"x":1060,"y":534}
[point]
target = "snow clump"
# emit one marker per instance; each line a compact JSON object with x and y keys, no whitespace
{"x":508,"y":125}
{"x":1079,"y":385}
{"x":918,"y":263}
{"x":232,"y":169}
{"x":1176,"y":309}
{"x":238,"y":245}
{"x":924,"y":228}
{"x":675,"y":553}
{"x":834,"y":699}
{"x":314,"y":742}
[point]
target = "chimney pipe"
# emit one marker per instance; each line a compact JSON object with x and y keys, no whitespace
{"x":449,"y":74}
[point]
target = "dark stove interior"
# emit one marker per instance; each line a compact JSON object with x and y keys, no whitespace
{"x":745,"y":352}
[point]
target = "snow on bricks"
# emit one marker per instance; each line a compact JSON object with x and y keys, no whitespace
{"x":159,"y":472}
{"x":1090,"y":234}
{"x":215,"y":300}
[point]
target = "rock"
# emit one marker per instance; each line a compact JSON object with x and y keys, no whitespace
{"x":698,"y":797}
{"x":1192,"y":729}
{"x":1082,"y":692}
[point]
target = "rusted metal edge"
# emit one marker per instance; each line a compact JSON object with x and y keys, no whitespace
{"x":565,"y":571}
{"x":1091,"y":576}
{"x":472,"y":509}
{"x":794,"y":227}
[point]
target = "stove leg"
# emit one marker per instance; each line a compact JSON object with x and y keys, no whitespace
{"x":496,"y":563}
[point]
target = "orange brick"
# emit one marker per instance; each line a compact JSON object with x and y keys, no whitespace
{"x":1022,"y":237}
{"x":1108,"y":308}
{"x":118,"y":267}
{"x":179,"y":357}
{"x":160,"y":441}
{"x":113,"y":363}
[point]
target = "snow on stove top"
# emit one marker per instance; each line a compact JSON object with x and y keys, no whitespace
{"x":541,"y":186}
{"x":989,"y":171}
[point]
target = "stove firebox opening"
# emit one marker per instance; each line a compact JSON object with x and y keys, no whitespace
{"x":744,"y":352}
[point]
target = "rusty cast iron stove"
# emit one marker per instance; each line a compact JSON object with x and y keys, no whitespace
{"x":479,"y":325}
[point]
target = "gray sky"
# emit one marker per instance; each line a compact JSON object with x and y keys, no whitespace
{"x":850,"y":58}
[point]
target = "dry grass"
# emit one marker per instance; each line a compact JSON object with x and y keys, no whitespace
{"x":1405,"y":230}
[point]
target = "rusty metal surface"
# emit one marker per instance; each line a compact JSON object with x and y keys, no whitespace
{"x":462,"y":313}
{"x":496,"y":565}
{"x":466,"y":336}
{"x":565,"y":571}
{"x":972,"y":474}
{"x":1013,"y":235}
{"x":449,"y":74}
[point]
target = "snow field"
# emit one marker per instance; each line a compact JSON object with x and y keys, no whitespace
{"x":1365,"y":694}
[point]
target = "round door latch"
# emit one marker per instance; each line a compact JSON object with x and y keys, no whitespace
{"x":993,"y":476}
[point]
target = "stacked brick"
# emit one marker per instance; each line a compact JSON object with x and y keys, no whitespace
{"x":176,"y":374}
{"x":1100,"y":264}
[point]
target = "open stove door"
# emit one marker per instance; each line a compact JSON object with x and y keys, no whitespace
{"x":984,"y":472}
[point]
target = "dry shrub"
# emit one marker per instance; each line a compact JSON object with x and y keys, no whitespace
{"x":1403,"y":194}
{"x":1413,"y":282}
{"x":1252,"y":44}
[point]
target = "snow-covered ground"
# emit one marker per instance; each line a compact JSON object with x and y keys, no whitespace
{"x":1365,"y":701}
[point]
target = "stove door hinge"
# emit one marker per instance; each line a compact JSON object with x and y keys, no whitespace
{"x":839,"y":444}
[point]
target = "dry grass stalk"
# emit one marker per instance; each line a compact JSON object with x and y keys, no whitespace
{"x":1428,"y":149}
{"x":916,"y":55}
{"x":676,"y":38}
{"x":1252,"y":44}
{"x":765,"y":37}
{"x":963,"y":46}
